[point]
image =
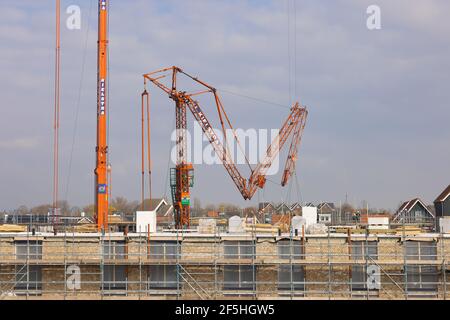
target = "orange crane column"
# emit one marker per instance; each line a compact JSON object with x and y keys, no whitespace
{"x":183,"y":168}
{"x":55,"y":212}
{"x":101,"y":170}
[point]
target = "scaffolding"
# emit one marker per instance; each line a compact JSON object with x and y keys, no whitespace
{"x":189,"y":265}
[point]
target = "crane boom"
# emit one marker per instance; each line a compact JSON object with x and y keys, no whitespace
{"x":101,"y":169}
{"x":258,"y":177}
{"x":293,"y":125}
{"x":228,"y":163}
{"x":291,"y":160}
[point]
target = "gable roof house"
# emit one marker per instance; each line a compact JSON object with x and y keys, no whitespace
{"x":296,"y":208}
{"x":265,"y":211}
{"x":442,"y":205}
{"x":164,"y":210}
{"x":414,"y":212}
{"x":266,"y":207}
{"x":283,"y":208}
{"x":326,"y":207}
{"x":327,"y":213}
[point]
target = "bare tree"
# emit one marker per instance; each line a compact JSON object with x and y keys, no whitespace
{"x":41,"y":209}
{"x":210,"y":207}
{"x":347,"y":208}
{"x":229,"y":207}
{"x":122,"y":205}
{"x":22,"y":210}
{"x":89,"y":210}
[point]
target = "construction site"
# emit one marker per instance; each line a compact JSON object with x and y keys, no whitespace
{"x":304,"y":255}
{"x":232,"y":265}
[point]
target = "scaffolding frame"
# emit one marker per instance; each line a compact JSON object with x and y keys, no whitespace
{"x":201,"y":276}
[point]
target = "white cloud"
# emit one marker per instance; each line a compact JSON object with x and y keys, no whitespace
{"x":20,"y":144}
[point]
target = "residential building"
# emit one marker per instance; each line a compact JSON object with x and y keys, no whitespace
{"x":414,"y":212}
{"x":442,"y":206}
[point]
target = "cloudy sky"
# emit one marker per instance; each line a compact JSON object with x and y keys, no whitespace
{"x":378,"y":100}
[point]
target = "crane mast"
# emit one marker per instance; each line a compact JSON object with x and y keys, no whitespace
{"x":182,"y":174}
{"x":101,"y":169}
{"x":55,"y":211}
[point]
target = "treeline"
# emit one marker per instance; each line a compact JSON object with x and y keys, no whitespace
{"x":124,"y":206}
{"x":118,"y":204}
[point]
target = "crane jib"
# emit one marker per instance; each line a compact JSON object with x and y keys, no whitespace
{"x":295,"y":122}
{"x":206,"y":126}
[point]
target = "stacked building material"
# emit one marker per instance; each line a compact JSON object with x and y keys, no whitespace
{"x":12,"y":228}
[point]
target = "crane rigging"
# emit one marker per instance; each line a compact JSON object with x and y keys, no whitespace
{"x":182,"y":174}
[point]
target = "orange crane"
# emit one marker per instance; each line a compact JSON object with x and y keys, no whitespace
{"x":101,"y":169}
{"x":182,"y":175}
{"x":56,"y":212}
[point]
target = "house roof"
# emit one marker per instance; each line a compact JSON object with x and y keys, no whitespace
{"x":166,"y":210}
{"x":403,"y":206}
{"x":408,"y":205}
{"x":153,"y":204}
{"x":296,"y":205}
{"x":412,"y":203}
{"x":85,"y":220}
{"x":323,"y":204}
{"x":444,"y":195}
{"x":264,"y":206}
{"x":159,"y":205}
{"x":283,"y":206}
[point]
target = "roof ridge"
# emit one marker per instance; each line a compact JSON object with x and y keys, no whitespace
{"x":444,"y":195}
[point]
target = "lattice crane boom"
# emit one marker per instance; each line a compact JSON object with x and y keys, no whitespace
{"x":293,"y":125}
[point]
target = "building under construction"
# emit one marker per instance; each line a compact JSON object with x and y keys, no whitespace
{"x":241,"y":261}
{"x":234,"y":264}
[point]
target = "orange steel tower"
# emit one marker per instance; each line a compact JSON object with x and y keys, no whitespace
{"x":56,"y":212}
{"x":101,"y":169}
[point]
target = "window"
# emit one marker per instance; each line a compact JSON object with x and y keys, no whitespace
{"x":239,"y":250}
{"x":163,"y":276}
{"x":163,"y":249}
{"x":239,"y":277}
{"x":114,"y":277}
{"x":362,"y":250}
{"x":421,"y":278}
{"x":114,"y":250}
{"x":290,"y":277}
{"x":28,"y":250}
{"x":28,"y":278}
